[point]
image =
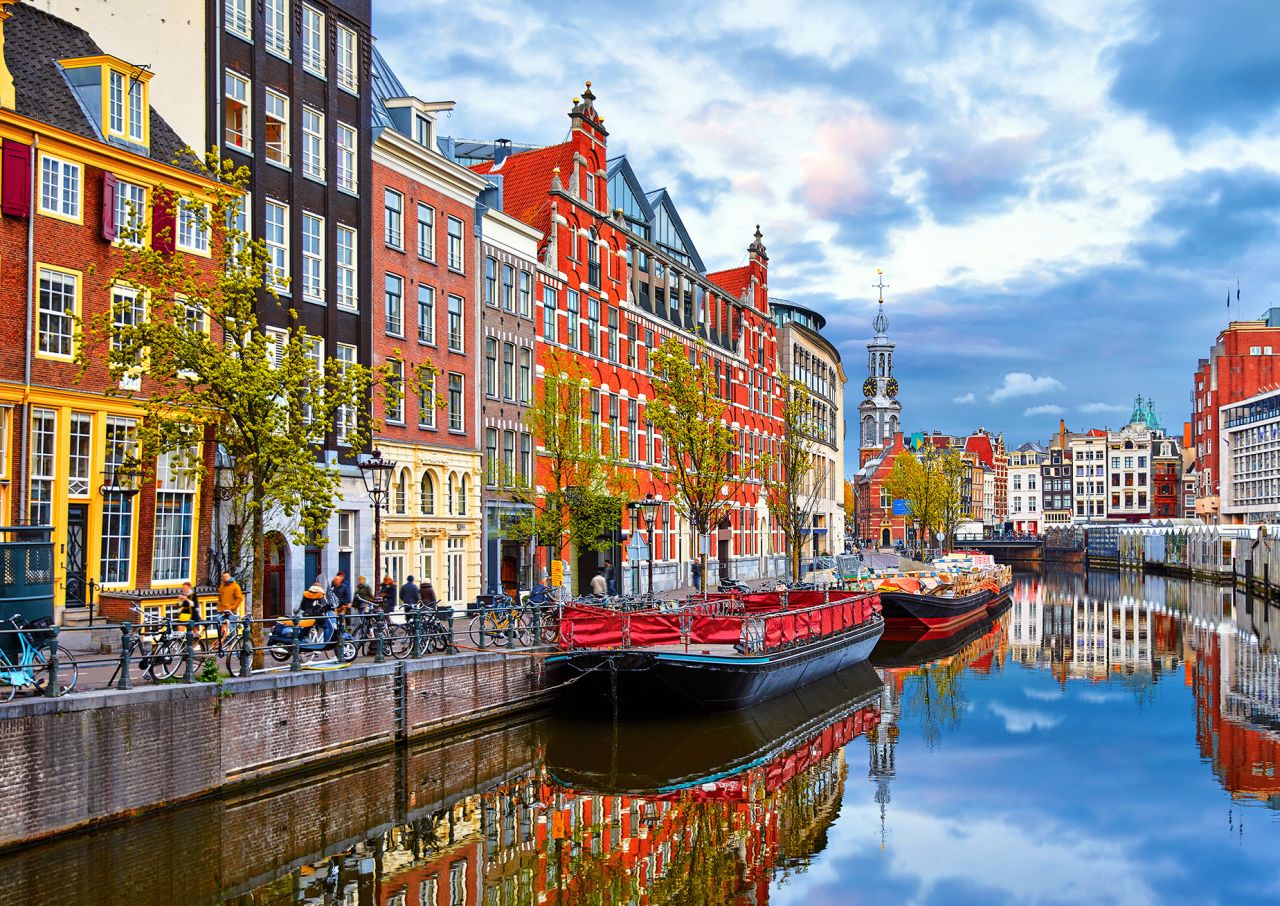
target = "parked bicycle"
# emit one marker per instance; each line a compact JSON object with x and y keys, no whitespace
{"x":507,"y":622}
{"x":35,"y":664}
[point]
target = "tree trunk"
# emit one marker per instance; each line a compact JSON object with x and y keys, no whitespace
{"x":256,"y":610}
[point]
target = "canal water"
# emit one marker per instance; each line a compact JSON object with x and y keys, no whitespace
{"x":1106,"y":739}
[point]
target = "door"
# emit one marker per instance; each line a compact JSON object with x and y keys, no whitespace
{"x":884,"y":538}
{"x":722,"y":554}
{"x":77,"y":528}
{"x":273,"y":590}
{"x":312,"y":565}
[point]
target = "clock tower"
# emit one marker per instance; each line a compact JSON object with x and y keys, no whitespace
{"x":879,"y":414}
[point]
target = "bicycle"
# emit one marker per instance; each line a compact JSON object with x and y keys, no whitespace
{"x":39,"y":651}
{"x":147,"y":626}
{"x":430,"y":635}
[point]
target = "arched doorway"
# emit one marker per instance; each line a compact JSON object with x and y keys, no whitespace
{"x":275,"y":557}
{"x":885,"y":540}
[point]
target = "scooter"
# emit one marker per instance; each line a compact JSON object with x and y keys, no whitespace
{"x":314,"y":634}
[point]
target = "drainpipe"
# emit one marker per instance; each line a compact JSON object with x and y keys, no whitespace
{"x":23,"y":466}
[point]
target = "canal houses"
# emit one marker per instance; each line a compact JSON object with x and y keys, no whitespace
{"x":87,"y":160}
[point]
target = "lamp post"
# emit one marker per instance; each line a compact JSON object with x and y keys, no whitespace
{"x":376,"y":473}
{"x":648,"y":509}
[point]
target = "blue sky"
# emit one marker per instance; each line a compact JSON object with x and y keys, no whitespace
{"x":1060,"y":194}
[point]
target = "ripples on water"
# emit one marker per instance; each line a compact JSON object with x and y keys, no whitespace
{"x":1105,"y":739}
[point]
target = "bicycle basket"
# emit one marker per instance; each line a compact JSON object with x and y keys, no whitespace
{"x":40,"y":630}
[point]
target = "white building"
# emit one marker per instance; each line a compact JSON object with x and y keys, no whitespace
{"x":1250,"y":460}
{"x":1025,"y":510}
{"x":1089,"y":466}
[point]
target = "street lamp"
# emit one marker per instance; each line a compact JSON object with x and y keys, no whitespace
{"x":376,"y":473}
{"x":648,"y":510}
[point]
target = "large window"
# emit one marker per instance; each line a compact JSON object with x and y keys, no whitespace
{"x":348,"y":75}
{"x":237,"y":18}
{"x":393,"y":218}
{"x":115,"y":102}
{"x":276,"y":127}
{"x":175,"y":509}
{"x":43,"y":465}
{"x":131,"y":212}
{"x":312,"y":257}
{"x":491,"y":457}
{"x":127,"y":311}
{"x":456,"y":413}
{"x":345,"y":417}
{"x":117,"y":508}
{"x":313,"y":144}
{"x":313,"y":40}
{"x":549,"y":314}
{"x":455,"y":324}
{"x":455,"y":244}
{"x":394,"y":395}
{"x":490,"y":281}
{"x":59,"y":188}
{"x":239,"y":132}
{"x":426,"y":232}
{"x":276,"y":236}
{"x":508,"y":287}
{"x":193,"y":227}
{"x":276,"y":26}
{"x":491,"y":367}
{"x":59,"y":293}
{"x":508,"y":371}
{"x":348,"y":180}
{"x":346,"y":249}
{"x":526,"y":294}
{"x":526,"y":375}
{"x":427,"y":496}
{"x":394,"y":305}
{"x":426,"y":314}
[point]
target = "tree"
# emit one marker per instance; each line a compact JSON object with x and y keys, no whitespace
{"x":930,"y":484}
{"x":850,"y":500}
{"x":700,"y":447}
{"x":911,"y":482}
{"x":794,"y":476}
{"x":211,"y":371}
{"x":577,"y":495}
{"x":950,"y":467}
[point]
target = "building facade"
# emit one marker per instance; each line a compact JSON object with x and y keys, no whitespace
{"x":813,"y":362}
{"x":879,"y":523}
{"x":880,"y":413}
{"x":1130,"y":455}
{"x":1025,"y":500}
{"x":1089,"y":465}
{"x":1250,"y":483}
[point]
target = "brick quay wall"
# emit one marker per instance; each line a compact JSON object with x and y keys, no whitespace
{"x":70,"y":762}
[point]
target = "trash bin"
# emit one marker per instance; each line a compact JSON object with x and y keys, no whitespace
{"x":26,"y":578}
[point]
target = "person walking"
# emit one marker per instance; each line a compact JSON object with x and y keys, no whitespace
{"x":230,"y":595}
{"x":188,"y":603}
{"x":599,"y":587}
{"x":387,"y":593}
{"x":610,"y":579}
{"x":696,"y":570}
{"x":340,"y":589}
{"x":410,"y":596}
{"x":363,"y":590}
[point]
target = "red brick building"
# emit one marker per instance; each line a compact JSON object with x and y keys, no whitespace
{"x":632,"y":279}
{"x":78,"y":182}
{"x":1244,"y":361}
{"x":877,"y":524}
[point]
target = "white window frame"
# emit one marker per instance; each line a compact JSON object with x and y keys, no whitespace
{"x":426,"y":232}
{"x":393,"y":219}
{"x":116,"y":547}
{"x":42,"y":465}
{"x":137,"y":112}
{"x":243,"y":97}
{"x":345,"y":417}
{"x":312,"y":144}
{"x":347,"y":249}
{"x":457,"y":338}
{"x":457,"y":257}
{"x":313,"y":35}
{"x":426,"y":314}
{"x":276,"y":27}
{"x":457,"y":414}
{"x":347,"y":59}
{"x":393,"y":305}
{"x":79,"y":455}
{"x":131,"y":213}
{"x":276,"y":109}
{"x":116,"y":105}
{"x":174,"y":529}
{"x":50,"y":343}
{"x":348,"y":143}
{"x":276,"y":237}
{"x":193,"y":228}
{"x":312,"y":257}
{"x":61,"y":184}
{"x":395,"y":414}
{"x":237,"y":19}
{"x":128,"y":309}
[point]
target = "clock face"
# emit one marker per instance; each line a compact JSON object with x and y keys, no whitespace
{"x":891,"y":387}
{"x":869,"y":387}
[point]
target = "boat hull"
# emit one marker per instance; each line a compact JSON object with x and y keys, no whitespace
{"x":639,"y":680}
{"x":915,"y":617}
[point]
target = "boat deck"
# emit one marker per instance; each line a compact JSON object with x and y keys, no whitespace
{"x":720,"y":650}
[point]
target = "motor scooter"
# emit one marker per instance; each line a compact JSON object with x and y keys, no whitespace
{"x":315,"y":634}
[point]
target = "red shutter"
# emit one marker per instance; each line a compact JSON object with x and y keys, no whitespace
{"x":109,"y":226}
{"x":15,"y":186}
{"x":164,"y":227}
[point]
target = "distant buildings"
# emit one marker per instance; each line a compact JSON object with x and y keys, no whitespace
{"x":1025,"y":477}
{"x":1250,"y":460}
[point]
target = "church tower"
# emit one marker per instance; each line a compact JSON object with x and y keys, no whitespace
{"x":879,"y":415}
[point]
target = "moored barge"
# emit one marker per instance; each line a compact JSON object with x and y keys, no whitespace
{"x":959,"y":591}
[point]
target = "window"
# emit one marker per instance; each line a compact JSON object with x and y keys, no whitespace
{"x":491,"y":367}
{"x":314,"y":350}
{"x":427,"y":400}
{"x":127,"y":311}
{"x":43,"y":465}
{"x":277,"y":239}
{"x":422,"y":130}
{"x":426,"y":315}
{"x":313,"y":144}
{"x":462,"y":496}
{"x":137,"y":112}
{"x":526,"y":294}
{"x":175,"y":499}
{"x":526,"y":375}
{"x":276,"y":26}
{"x":455,"y":324}
{"x":508,"y":457}
{"x":593,"y":262}
{"x":526,"y":460}
{"x":453,"y":589}
{"x":508,"y":371}
{"x":427,"y":499}
{"x":59,"y":293}
{"x":394,"y":394}
{"x":236,"y":17}
{"x":393,"y":297}
{"x":131,"y":212}
{"x":348,"y":77}
{"x":239,"y":130}
{"x":490,"y":281}
{"x":508,"y":287}
{"x":193,"y":226}
{"x":491,"y":457}
{"x":313,"y":40}
{"x":312,"y":257}
{"x":393,"y":218}
{"x":345,"y":417}
{"x":455,"y":403}
{"x":348,"y":180}
{"x":276,"y":128}
{"x":59,"y":188}
{"x":548,"y":313}
{"x":117,"y":508}
{"x":79,"y":444}
{"x":400,"y":499}
{"x":571,"y":304}
{"x":115,"y":103}
{"x":455,"y":244}
{"x":346,"y":251}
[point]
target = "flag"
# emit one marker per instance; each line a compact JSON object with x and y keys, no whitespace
{"x":1237,"y":289}
{"x":1228,"y":300}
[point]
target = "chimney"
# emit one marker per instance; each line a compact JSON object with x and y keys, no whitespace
{"x":501,"y":151}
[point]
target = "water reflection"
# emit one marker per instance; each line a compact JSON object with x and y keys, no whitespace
{"x":1104,"y":738}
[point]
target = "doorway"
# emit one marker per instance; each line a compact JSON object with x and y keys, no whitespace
{"x":273,"y":587}
{"x":77,"y":528}
{"x":885,"y":540}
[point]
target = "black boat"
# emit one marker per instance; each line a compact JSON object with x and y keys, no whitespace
{"x":924,"y":647}
{"x":710,"y":660}
{"x":911,"y":616}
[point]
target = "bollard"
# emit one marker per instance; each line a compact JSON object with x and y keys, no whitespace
{"x":51,"y":690}
{"x":379,"y":656}
{"x":417,"y":633}
{"x":189,"y":672}
{"x":246,"y":647}
{"x":511,"y":629}
{"x":537,"y":625}
{"x":125,"y":682}
{"x":296,"y":662}
{"x":451,"y":647}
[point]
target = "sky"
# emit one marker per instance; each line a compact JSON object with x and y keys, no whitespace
{"x":1061,"y":194}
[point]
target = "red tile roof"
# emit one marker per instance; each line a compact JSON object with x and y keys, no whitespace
{"x":526,"y":180}
{"x":734,"y":281}
{"x":980,"y":444}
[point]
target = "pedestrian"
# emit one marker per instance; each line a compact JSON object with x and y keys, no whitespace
{"x":340,"y":588}
{"x":188,"y":603}
{"x":410,"y":597}
{"x":387,"y":593}
{"x":696,"y":569}
{"x":599,"y":587}
{"x":609,"y":577}
{"x":230,"y":595}
{"x":363,"y":590}
{"x":539,"y":594}
{"x":429,"y":598}
{"x":312,"y":603}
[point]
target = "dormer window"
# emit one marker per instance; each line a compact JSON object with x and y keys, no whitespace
{"x":422,"y":130}
{"x":126,"y":107}
{"x":115,"y":93}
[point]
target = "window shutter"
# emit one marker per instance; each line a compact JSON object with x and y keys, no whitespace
{"x":15,"y":187}
{"x":109,"y":207}
{"x":164,"y":227}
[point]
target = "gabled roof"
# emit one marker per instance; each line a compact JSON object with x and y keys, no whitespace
{"x":526,"y":182}
{"x":980,"y":444}
{"x":383,"y":85}
{"x":665,"y":208}
{"x":34,"y":42}
{"x":621,"y":167}
{"x":734,"y":281}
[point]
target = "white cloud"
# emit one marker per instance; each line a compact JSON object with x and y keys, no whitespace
{"x":967,"y":398}
{"x":1044,"y":410}
{"x":1043,"y":695}
{"x":1101,"y":407}
{"x":1020,"y":383}
{"x":1018,"y":720}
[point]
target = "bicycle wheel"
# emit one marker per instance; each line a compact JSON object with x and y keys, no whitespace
{"x":233,"y":661}
{"x":476,"y":629}
{"x":437,"y":637}
{"x":346,"y":651}
{"x":166,"y":659}
{"x":68,"y":669}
